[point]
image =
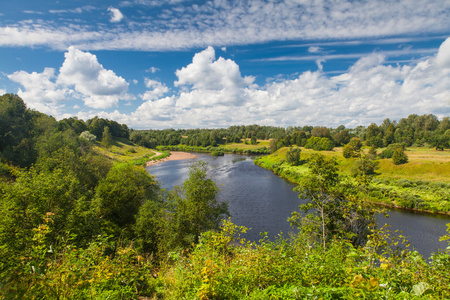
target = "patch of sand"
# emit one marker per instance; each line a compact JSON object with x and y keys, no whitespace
{"x":173,"y":156}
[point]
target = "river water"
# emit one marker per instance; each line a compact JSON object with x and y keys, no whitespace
{"x":262,"y":201}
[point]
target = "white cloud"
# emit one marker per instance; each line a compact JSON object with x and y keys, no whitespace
{"x":2,"y":91}
{"x":80,"y":77}
{"x":98,"y":87}
{"x":237,"y":22}
{"x":207,"y":73}
{"x":314,"y":49}
{"x":158,"y":90}
{"x":41,"y":92}
{"x":443,"y":56}
{"x":116,"y":15}
{"x":368,"y":92}
{"x":213,"y":93}
{"x":213,"y":81}
{"x":152,"y":70}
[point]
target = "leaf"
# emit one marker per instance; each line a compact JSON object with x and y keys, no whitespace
{"x":421,"y":288}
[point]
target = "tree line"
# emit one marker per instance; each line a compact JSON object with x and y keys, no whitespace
{"x":415,"y":130}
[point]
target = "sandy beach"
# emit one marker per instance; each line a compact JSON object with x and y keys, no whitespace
{"x":174,"y":155}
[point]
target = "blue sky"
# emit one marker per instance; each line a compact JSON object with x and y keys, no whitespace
{"x":190,"y":64}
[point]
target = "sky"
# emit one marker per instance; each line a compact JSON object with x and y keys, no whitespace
{"x":210,"y":64}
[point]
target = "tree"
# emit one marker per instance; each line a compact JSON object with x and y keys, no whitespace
{"x":328,"y":213}
{"x":321,"y":132}
{"x":194,"y":208}
{"x":353,"y":148}
{"x":120,"y":195}
{"x":342,"y":137}
{"x":363,"y":168}
{"x":399,"y":157}
{"x":86,"y":135}
{"x":273,"y":145}
{"x":107,"y":139}
{"x":293,"y":156}
{"x":319,"y":144}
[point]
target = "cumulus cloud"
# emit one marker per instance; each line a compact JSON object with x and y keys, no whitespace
{"x":98,"y":87}
{"x":81,"y":77}
{"x":213,"y":93}
{"x":158,"y":89}
{"x":41,"y":92}
{"x":443,"y":56}
{"x":369,"y":91}
{"x":116,"y":15}
{"x":213,"y":81}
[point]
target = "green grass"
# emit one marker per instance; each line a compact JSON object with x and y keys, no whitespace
{"x":124,"y":151}
{"x":422,"y":184}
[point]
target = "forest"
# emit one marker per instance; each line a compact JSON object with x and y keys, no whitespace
{"x":77,"y":224}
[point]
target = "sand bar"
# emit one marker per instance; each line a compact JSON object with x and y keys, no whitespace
{"x":175,"y":155}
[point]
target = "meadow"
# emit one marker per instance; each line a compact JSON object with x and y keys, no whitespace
{"x":421,"y":184}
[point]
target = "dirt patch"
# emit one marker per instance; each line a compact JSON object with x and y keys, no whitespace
{"x":173,"y":156}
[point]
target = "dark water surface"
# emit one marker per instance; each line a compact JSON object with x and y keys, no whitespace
{"x":262,"y":201}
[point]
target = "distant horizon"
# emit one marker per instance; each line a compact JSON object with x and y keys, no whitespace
{"x":214,"y":64}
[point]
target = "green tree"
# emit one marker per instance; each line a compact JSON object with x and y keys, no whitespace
{"x":363,"y":168}
{"x":120,"y":195}
{"x":293,"y":156}
{"x":342,"y":137}
{"x":107,"y":139}
{"x":319,"y":144}
{"x":328,"y":213}
{"x":399,"y":157}
{"x":86,"y":135}
{"x":353,"y":148}
{"x":194,"y":208}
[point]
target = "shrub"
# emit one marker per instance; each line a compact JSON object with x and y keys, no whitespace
{"x":399,"y":157}
{"x":217,"y":153}
{"x":319,"y":144}
{"x":293,"y":156}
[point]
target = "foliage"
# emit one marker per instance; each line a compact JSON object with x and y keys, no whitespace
{"x":122,"y":192}
{"x":353,"y":148}
{"x":107,"y":139}
{"x":217,"y":153}
{"x":88,"y":136}
{"x":319,"y":144}
{"x":329,"y":212}
{"x":399,"y":157}
{"x":293,"y":156}
{"x":194,"y":208}
{"x":364,"y":166}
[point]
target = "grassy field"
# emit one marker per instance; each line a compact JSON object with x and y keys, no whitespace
{"x":123,"y":150}
{"x":423,"y":183}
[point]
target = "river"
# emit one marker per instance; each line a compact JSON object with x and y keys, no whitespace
{"x":262,"y":201}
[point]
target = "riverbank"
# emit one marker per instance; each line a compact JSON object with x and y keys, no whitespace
{"x":422,"y":185}
{"x":173,"y":156}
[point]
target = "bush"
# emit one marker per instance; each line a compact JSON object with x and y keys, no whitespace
{"x":319,"y":144}
{"x":217,"y":153}
{"x":293,"y":156}
{"x":399,"y":157}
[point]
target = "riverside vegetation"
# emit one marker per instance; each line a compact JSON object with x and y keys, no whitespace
{"x":82,"y":219}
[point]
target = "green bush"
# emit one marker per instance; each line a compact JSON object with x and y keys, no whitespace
{"x":319,"y":144}
{"x":399,"y":157}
